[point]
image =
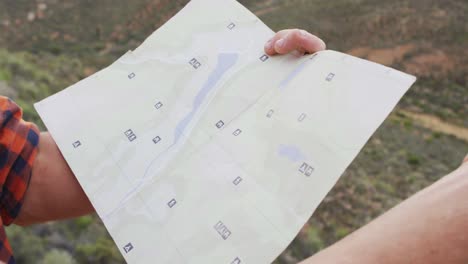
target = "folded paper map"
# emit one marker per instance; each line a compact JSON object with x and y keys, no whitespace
{"x":197,"y":147}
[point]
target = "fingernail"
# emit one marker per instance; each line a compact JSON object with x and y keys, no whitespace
{"x":280,"y":43}
{"x":323,"y":45}
{"x":268,"y":44}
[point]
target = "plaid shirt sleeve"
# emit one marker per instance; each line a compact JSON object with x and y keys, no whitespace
{"x":18,"y":149}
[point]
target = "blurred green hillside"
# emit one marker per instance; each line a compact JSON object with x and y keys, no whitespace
{"x":46,"y":45}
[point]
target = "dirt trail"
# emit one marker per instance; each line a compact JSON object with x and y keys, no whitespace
{"x":266,"y":10}
{"x":383,"y":56}
{"x":265,"y":7}
{"x":436,"y":124}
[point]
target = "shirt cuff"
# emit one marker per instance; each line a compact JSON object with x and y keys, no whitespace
{"x":18,"y":148}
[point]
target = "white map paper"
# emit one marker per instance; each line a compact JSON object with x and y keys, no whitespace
{"x":198,"y":148}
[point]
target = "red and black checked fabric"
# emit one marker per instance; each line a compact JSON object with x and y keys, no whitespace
{"x":18,"y":148}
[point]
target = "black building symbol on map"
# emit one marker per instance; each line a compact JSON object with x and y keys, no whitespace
{"x":237,"y":132}
{"x":76,"y":144}
{"x":220,"y":124}
{"x":306,"y":169}
{"x":158,"y":105}
{"x":172,"y":203}
{"x":264,"y":57}
{"x":270,"y":113}
{"x":195,"y":63}
{"x":231,"y":26}
{"x":222,"y":230}
{"x":127,"y":248}
{"x":236,"y":261}
{"x":237,"y":180}
{"x":156,"y":140}
{"x":130,"y":135}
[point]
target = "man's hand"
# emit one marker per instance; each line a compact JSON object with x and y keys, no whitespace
{"x":412,"y":231}
{"x":286,"y":41}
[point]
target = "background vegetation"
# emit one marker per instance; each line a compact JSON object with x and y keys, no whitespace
{"x":46,"y":45}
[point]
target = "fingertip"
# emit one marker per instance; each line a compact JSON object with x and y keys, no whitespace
{"x":322,"y":45}
{"x":270,"y":52}
{"x":288,"y":40}
{"x":312,"y":43}
{"x":269,"y":47}
{"x":280,"y":45}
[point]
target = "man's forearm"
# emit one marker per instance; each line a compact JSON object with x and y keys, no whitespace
{"x":430,"y":227}
{"x":53,"y":193}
